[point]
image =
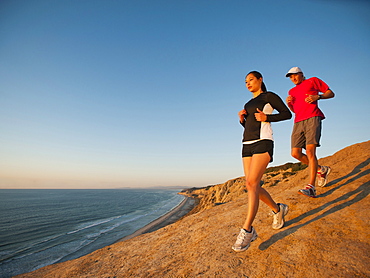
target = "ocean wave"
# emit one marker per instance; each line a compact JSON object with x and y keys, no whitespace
{"x":93,"y":224}
{"x":17,"y":253}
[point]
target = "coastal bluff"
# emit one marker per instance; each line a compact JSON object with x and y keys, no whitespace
{"x":327,"y":236}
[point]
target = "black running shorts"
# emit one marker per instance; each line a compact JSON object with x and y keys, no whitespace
{"x":262,"y":146}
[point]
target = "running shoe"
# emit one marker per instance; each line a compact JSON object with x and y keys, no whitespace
{"x":309,"y":191}
{"x":322,"y":175}
{"x":279,"y":221}
{"x":244,"y":239}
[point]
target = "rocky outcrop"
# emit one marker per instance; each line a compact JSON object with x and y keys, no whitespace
{"x":210,"y":196}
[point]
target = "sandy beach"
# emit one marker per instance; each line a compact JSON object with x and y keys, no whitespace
{"x":171,"y":217}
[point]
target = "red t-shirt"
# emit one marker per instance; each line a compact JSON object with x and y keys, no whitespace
{"x":301,"y":108}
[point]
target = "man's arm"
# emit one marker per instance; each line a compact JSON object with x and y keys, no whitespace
{"x":328,"y":94}
{"x":312,"y":98}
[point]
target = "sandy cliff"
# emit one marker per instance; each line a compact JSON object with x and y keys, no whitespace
{"x":323,"y":237}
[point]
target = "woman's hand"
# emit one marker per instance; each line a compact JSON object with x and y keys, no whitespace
{"x":242,"y":115}
{"x":260,"y":116}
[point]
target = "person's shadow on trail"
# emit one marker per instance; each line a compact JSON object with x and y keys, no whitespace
{"x":362,"y":191}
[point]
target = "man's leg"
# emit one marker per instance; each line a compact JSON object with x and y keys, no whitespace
{"x":305,"y":159}
{"x":312,"y":162}
{"x":298,"y":154}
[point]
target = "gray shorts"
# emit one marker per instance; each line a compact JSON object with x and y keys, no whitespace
{"x":306,"y":132}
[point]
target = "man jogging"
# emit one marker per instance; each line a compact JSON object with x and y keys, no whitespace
{"x":303,"y":101}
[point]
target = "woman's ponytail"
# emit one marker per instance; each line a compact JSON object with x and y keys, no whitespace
{"x":263,"y":87}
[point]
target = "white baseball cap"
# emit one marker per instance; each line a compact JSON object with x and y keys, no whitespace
{"x":293,"y":70}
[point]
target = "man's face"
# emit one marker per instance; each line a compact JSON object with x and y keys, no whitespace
{"x":296,"y":78}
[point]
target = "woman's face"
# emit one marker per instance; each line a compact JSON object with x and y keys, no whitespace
{"x":252,"y":83}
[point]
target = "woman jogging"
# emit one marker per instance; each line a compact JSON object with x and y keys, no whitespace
{"x":257,"y":153}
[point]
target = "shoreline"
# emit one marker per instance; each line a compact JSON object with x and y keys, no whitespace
{"x":170,"y":217}
{"x":175,"y":214}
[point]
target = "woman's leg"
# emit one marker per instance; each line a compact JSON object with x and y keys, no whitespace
{"x":254,"y":168}
{"x":267,"y":199}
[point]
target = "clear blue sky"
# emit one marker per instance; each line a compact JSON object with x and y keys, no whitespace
{"x":102,"y":94}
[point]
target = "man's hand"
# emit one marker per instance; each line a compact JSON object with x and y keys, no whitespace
{"x":289,"y":99}
{"x":260,"y":116}
{"x":311,"y":98}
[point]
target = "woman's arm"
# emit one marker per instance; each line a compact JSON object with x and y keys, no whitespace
{"x":276,"y":102}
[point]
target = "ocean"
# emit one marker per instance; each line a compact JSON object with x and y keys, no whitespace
{"x":39,"y":227}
